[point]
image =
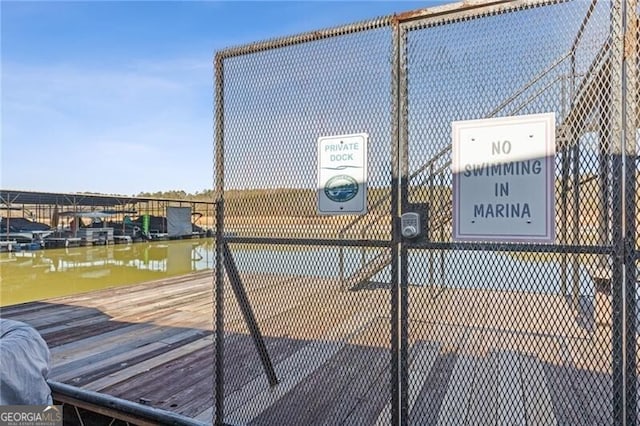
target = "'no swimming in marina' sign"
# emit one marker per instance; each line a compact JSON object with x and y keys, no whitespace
{"x":503,"y":179}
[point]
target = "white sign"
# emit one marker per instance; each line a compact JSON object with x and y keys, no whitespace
{"x":342,"y":174}
{"x":503,"y":179}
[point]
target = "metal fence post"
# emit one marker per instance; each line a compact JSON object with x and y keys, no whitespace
{"x":630,"y":123}
{"x":219,"y":280}
{"x":618,"y":335}
{"x":403,"y":163}
{"x":396,"y":310}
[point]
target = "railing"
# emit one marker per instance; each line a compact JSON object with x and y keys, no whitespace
{"x":82,"y":407}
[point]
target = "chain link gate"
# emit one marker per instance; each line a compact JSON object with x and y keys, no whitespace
{"x":341,"y":320}
{"x":323,"y":341}
{"x":522,"y":333}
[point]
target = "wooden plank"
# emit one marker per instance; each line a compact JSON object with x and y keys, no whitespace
{"x":310,"y":319}
{"x":114,"y":294}
{"x":422,"y":356}
{"x":482,"y":406}
{"x":123,"y":353}
{"x":78,"y":323}
{"x":246,"y":404}
{"x":592,"y":386}
{"x":183,"y":393}
{"x":510,"y":405}
{"x":110,"y":340}
{"x":189,"y":400}
{"x":137,"y":310}
{"x":73,"y":335}
{"x":112,"y":298}
{"x":144,"y":354}
{"x":374,"y":402}
{"x":68,"y":352}
{"x":455,"y":406}
{"x":17,"y":311}
{"x":140,"y":311}
{"x":254,"y":398}
{"x":271,"y":303}
{"x":330,"y":330}
{"x":569,"y":402}
{"x":359,"y":379}
{"x":129,"y":372}
{"x":537,"y":396}
{"x":342,"y":379}
{"x":591,"y":365}
{"x":434,"y":386}
{"x":243,"y":366}
{"x":431,"y":395}
{"x":51,"y":317}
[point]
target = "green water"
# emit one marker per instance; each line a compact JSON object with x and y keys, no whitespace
{"x":42,"y":274}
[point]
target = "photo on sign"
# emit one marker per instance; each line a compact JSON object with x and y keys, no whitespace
{"x":341,"y":188}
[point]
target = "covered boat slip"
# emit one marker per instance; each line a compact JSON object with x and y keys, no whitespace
{"x":476,"y":356}
{"x":66,"y":220}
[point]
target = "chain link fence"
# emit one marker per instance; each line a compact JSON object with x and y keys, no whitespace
{"x":340,"y":319}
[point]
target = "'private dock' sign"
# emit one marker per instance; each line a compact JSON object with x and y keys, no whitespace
{"x":342,"y":174}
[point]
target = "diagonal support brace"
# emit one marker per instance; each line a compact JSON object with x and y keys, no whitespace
{"x":247,"y":313}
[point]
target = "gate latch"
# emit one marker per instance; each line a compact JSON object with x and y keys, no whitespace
{"x":410,"y":225}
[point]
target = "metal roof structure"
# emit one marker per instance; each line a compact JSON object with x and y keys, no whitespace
{"x":12,"y":197}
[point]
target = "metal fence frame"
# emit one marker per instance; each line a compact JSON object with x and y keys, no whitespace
{"x":623,"y":250}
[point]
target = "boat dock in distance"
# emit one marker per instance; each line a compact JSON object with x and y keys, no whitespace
{"x":35,"y":220}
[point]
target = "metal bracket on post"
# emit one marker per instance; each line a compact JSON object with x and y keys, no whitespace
{"x":247,"y":313}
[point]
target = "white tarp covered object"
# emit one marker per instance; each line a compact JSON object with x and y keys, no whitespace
{"x":179,"y":221}
{"x":24,"y":365}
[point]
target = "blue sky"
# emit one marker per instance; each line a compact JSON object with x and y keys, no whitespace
{"x":117,"y":97}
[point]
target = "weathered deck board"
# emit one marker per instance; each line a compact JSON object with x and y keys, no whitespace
{"x":482,"y":406}
{"x":510,"y":403}
{"x":536,"y":393}
{"x":344,"y":379}
{"x":82,"y":371}
{"x":455,"y":406}
{"x":195,"y":370}
{"x":130,"y":372}
{"x":476,"y":356}
{"x":421,"y":359}
{"x":245,"y":404}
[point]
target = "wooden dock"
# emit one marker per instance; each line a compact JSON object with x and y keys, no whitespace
{"x":475,"y":356}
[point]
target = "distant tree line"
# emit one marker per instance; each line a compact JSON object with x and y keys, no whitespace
{"x":204,"y":195}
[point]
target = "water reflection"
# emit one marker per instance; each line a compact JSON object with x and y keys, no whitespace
{"x":42,"y":274}
{"x":38,"y":275}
